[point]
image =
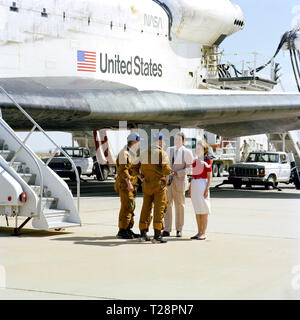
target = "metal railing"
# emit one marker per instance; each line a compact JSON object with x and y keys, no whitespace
{"x":32,"y":155}
{"x":37,"y":126}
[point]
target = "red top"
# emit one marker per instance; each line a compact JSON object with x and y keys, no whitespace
{"x":200,"y":170}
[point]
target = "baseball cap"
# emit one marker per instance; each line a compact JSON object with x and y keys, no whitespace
{"x":134,"y":137}
{"x":158,"y":137}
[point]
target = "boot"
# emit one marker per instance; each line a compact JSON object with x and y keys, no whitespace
{"x":124,"y":234}
{"x":144,"y":237}
{"x":135,"y":235}
{"x":166,"y":234}
{"x":157,"y":237}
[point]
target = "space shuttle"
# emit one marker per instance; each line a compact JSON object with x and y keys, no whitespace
{"x":74,"y":65}
{"x":84,"y":65}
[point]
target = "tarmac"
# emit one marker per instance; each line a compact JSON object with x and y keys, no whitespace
{"x":252,"y":252}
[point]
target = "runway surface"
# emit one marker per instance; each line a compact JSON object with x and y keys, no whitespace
{"x":252,"y":252}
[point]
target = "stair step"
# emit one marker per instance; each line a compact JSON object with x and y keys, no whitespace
{"x":3,"y":146}
{"x":7,"y":154}
{"x":60,"y":225}
{"x":49,"y":203}
{"x":29,"y":178}
{"x":52,"y":213}
{"x":18,"y":166}
{"x":48,"y":193}
{"x":37,"y":190}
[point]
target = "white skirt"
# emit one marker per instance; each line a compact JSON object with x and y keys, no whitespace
{"x":201,"y":205}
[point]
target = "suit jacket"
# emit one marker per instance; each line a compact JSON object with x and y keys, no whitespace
{"x":181,"y":163}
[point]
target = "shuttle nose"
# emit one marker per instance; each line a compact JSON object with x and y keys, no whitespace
{"x":239,"y":17}
{"x":204,"y":22}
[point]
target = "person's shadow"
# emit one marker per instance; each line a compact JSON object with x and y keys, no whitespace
{"x":104,"y":241}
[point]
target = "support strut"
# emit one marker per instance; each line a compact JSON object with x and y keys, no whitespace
{"x":18,"y":229}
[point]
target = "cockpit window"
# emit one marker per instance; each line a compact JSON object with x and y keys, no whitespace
{"x":169,"y":14}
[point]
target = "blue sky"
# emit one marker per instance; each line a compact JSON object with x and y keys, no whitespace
{"x":266,"y":21}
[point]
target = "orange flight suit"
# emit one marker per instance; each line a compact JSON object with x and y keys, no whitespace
{"x":154,"y":164}
{"x":126,"y":169}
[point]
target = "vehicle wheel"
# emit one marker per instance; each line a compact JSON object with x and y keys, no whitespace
{"x":73,"y":177}
{"x":104,"y":175}
{"x":221,"y":170}
{"x":96,"y":171}
{"x":274,"y":183}
{"x":105,"y":172}
{"x":215,"y":170}
{"x":237,"y":185}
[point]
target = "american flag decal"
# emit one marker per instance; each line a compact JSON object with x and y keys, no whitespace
{"x":86,"y":61}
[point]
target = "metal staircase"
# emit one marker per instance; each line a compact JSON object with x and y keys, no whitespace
{"x":287,"y":142}
{"x":28,"y":187}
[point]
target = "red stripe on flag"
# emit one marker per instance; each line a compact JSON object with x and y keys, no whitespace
{"x":86,"y":70}
{"x":84,"y":67}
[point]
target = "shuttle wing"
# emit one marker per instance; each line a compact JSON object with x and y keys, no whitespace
{"x":73,"y":104}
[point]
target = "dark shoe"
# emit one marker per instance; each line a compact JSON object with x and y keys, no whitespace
{"x":179,"y":234}
{"x":158,"y":238}
{"x":166,"y":234}
{"x":194,"y":238}
{"x":144,"y":237}
{"x":124,"y":234}
{"x":135,"y":235}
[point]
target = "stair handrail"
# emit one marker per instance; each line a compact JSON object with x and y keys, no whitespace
{"x":51,"y":140}
{"x":32,"y":155}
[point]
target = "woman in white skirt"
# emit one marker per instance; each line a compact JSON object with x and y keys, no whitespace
{"x":199,"y":189}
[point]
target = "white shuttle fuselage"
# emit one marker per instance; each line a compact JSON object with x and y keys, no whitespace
{"x":141,"y":43}
{"x":82,"y":65}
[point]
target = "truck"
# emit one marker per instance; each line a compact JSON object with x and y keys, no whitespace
{"x":86,"y":165}
{"x":62,"y":166}
{"x":267,"y":168}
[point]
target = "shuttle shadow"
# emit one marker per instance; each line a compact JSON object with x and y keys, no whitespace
{"x":30,"y":233}
{"x":93,"y":188}
{"x":255,"y":193}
